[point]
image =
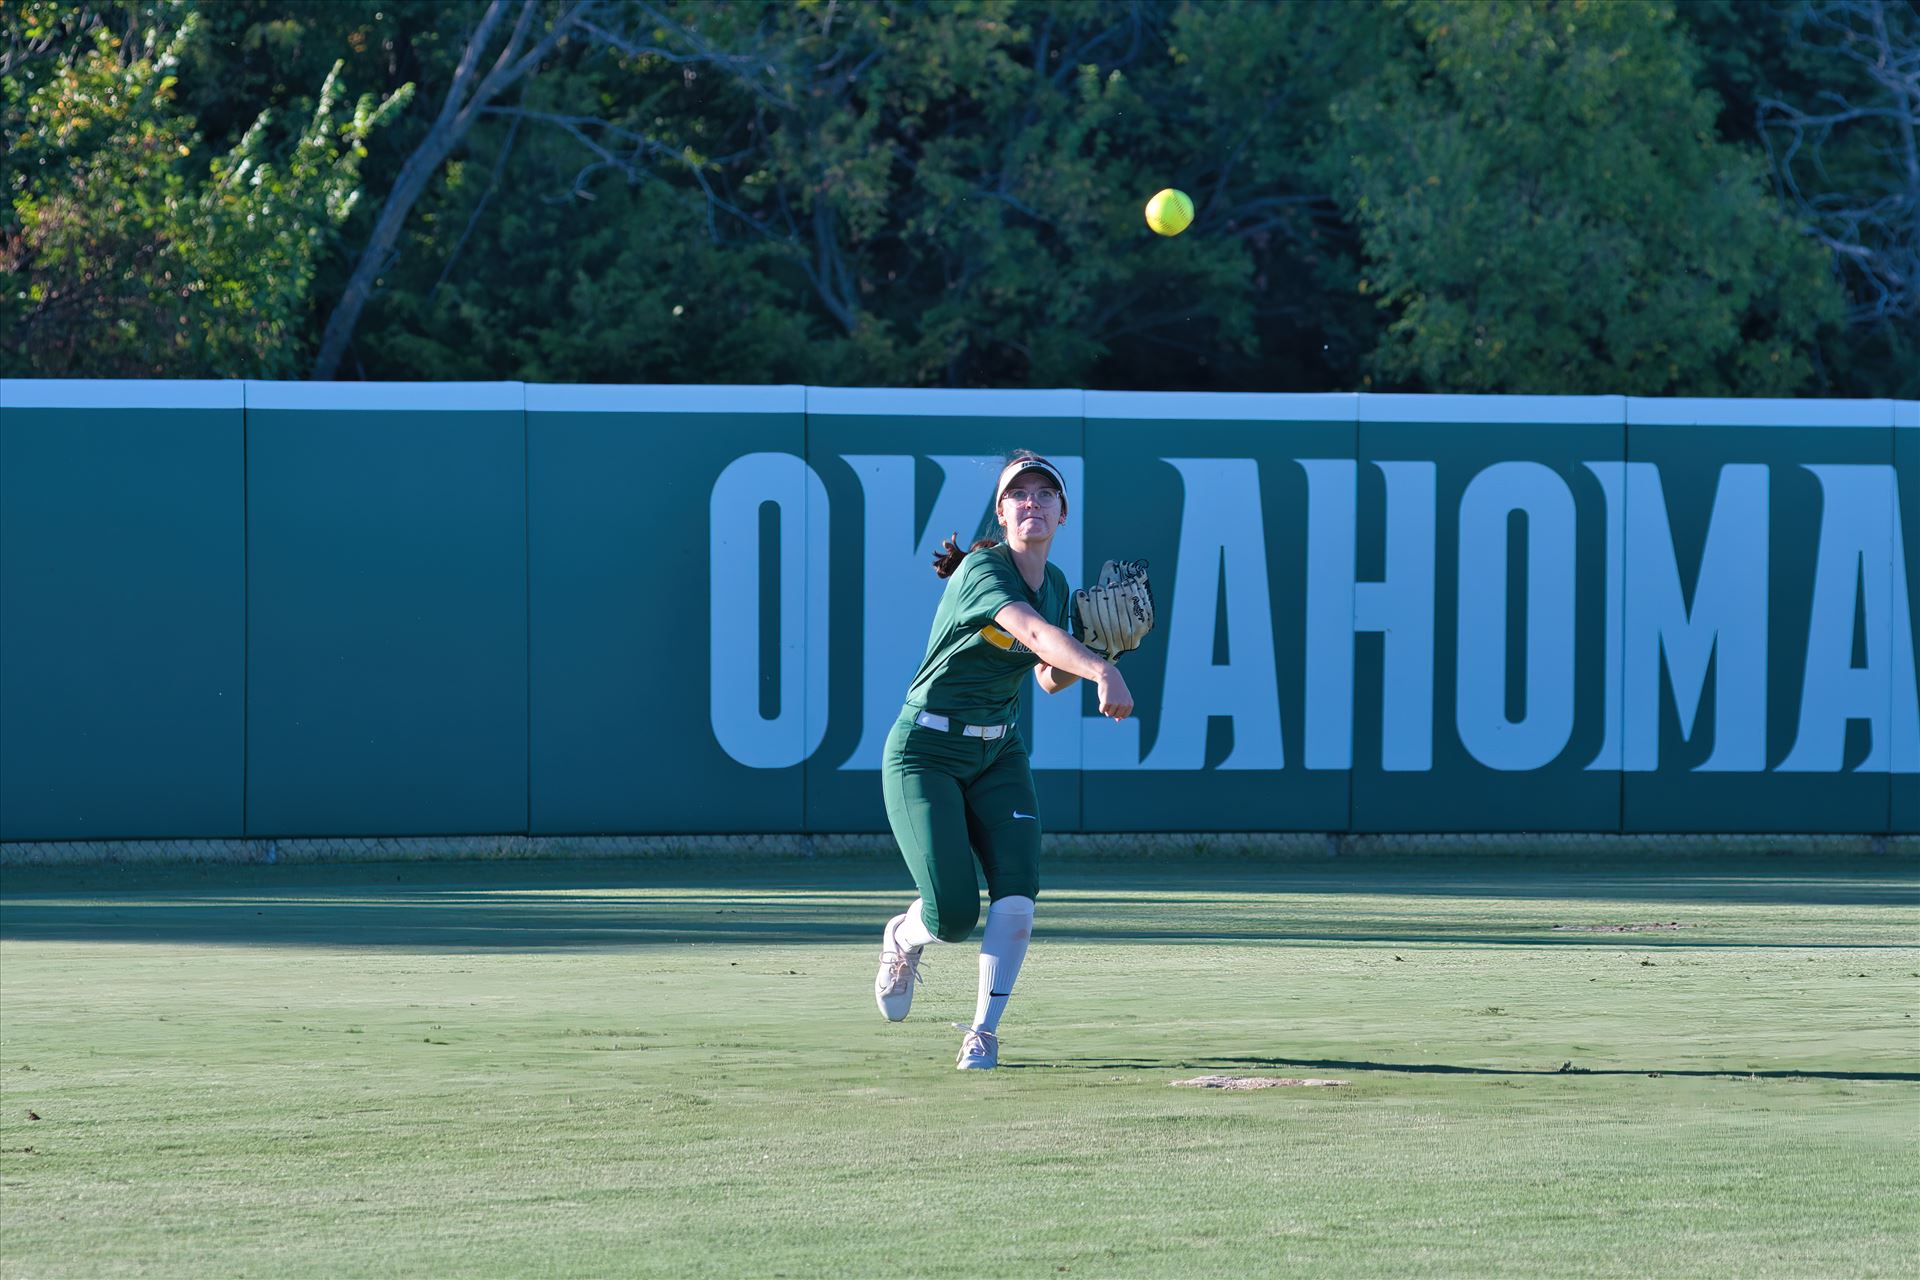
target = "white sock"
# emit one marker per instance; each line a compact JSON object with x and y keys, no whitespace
{"x":912,"y":932}
{"x":1003,"y":945}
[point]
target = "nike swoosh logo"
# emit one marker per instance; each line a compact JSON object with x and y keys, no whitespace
{"x":1034,"y":816}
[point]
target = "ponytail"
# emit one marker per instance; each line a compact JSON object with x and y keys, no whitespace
{"x":948,"y":558}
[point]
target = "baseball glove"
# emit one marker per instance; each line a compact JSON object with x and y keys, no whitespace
{"x":1112,"y":616}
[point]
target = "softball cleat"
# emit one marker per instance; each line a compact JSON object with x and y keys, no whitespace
{"x":899,"y":970}
{"x":979,"y":1050}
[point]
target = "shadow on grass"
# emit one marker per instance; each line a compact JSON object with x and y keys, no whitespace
{"x":574,"y":905}
{"x":1439,"y":1068}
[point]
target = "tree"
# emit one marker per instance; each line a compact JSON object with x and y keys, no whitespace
{"x":1501,"y":196}
{"x":470,"y":93}
{"x":1544,"y":208}
{"x":909,"y":194}
{"x":1846,"y":157}
{"x":127,"y":256}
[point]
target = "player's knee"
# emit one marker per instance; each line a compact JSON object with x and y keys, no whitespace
{"x":955,"y":920}
{"x":1014,"y":886}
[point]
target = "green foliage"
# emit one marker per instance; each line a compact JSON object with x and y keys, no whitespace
{"x":1545,"y":209}
{"x":1523,"y":195}
{"x":954,"y":200}
{"x":130,"y":251}
{"x":627,"y":287}
{"x":1826,"y":88}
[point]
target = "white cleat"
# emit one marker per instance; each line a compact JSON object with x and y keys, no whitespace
{"x":899,"y":970}
{"x":979,"y":1050}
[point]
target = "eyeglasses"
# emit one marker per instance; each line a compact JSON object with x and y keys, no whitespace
{"x":1038,"y":497}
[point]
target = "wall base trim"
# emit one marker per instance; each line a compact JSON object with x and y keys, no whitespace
{"x":1135,"y":845}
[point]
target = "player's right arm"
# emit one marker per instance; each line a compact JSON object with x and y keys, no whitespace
{"x":1067,"y":656}
{"x":1052,"y":679}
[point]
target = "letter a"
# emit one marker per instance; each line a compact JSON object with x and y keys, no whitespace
{"x":1854,"y":570}
{"x":1222,"y":532}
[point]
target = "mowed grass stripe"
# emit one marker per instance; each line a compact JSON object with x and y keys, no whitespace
{"x":676,"y":1069}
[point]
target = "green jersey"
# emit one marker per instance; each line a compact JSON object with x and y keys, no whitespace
{"x":973,"y":668}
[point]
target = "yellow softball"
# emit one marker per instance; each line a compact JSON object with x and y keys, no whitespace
{"x":1170,"y":212}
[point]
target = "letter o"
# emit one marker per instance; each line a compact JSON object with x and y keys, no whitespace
{"x":734,"y":620}
{"x":1480,"y":689}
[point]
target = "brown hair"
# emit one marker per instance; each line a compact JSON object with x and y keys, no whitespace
{"x":948,"y":558}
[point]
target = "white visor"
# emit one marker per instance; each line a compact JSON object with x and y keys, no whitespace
{"x":1018,"y":465}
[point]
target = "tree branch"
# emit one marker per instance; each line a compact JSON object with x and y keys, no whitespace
{"x":473,"y":220}
{"x":457,"y":113}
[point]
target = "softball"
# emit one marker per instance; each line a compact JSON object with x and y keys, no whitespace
{"x":1170,"y":212}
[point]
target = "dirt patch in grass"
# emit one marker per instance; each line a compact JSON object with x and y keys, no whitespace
{"x":1654,"y":927}
{"x":1254,"y":1082}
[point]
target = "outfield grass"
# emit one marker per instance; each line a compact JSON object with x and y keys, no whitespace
{"x":676,"y":1069}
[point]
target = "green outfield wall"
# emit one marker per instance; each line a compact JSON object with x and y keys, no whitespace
{"x":302,"y":610}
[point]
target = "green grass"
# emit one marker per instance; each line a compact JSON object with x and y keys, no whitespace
{"x":675,"y":1069}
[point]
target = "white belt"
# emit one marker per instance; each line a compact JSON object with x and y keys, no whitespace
{"x":928,"y":720}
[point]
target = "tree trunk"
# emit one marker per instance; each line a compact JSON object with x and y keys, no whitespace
{"x":463,"y":104}
{"x":407,"y":188}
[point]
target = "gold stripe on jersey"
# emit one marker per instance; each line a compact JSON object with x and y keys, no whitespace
{"x":996,"y":637}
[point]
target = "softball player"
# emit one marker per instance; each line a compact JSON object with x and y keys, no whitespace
{"x":958,"y":786}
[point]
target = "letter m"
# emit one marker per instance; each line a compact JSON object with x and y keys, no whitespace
{"x":1726,"y":625}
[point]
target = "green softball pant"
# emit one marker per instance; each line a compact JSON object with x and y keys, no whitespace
{"x":953,"y":802}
